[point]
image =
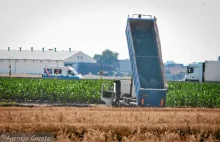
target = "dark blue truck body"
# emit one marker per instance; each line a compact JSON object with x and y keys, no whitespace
{"x":146,"y":61}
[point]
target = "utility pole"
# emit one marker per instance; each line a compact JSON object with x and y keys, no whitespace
{"x":9,"y":70}
{"x":101,"y":71}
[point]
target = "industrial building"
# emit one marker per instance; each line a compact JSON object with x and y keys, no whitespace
{"x":125,"y":66}
{"x":32,"y":61}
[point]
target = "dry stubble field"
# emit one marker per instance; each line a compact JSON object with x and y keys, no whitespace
{"x":115,"y":124}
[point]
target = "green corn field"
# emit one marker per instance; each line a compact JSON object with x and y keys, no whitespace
{"x":180,"y":94}
{"x":50,"y":90}
{"x":193,"y":94}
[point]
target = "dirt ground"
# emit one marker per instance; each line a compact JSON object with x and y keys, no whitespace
{"x":100,"y":123}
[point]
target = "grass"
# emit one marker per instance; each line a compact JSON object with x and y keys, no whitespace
{"x":115,"y":124}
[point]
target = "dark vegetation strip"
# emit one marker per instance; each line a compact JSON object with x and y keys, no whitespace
{"x":180,"y":94}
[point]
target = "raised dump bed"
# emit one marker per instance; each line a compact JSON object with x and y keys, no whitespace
{"x":146,"y":61}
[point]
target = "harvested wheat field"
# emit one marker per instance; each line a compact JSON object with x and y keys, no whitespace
{"x":115,"y":124}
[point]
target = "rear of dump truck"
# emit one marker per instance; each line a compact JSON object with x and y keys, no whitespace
{"x":146,"y":61}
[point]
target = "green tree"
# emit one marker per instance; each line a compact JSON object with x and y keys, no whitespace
{"x":107,"y":57}
{"x":218,"y":58}
{"x":98,"y":58}
{"x":169,"y":62}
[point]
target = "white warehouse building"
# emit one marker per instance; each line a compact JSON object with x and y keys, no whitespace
{"x":33,"y":61}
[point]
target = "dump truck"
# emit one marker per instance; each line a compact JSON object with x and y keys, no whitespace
{"x":147,"y":86}
{"x":208,"y":71}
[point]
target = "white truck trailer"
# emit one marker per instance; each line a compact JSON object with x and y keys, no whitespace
{"x":208,"y":71}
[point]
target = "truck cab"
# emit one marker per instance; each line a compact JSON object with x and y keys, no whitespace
{"x":120,"y":93}
{"x":194,"y":72}
{"x":60,"y":72}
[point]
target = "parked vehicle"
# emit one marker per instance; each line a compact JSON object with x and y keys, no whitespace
{"x":208,"y":71}
{"x":60,"y":72}
{"x":147,"y":86}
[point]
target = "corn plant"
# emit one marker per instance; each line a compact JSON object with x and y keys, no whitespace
{"x":191,"y":94}
{"x":51,"y":90}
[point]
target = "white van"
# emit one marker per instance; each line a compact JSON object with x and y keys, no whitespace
{"x":60,"y":72}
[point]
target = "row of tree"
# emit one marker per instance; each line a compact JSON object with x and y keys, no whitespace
{"x":110,"y":58}
{"x":107,"y":57}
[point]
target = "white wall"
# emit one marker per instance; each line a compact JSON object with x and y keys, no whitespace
{"x":4,"y":65}
{"x":80,"y":57}
{"x":26,"y":66}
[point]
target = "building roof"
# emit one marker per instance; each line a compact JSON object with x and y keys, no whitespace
{"x":36,"y":54}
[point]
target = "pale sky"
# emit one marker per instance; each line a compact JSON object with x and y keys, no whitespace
{"x":189,"y":29}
